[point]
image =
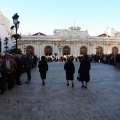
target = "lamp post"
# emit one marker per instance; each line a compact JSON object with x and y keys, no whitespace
{"x":24,"y":49}
{"x":60,"y":48}
{"x":6,"y":43}
{"x":0,"y":45}
{"x":16,"y":25}
{"x":70,"y":45}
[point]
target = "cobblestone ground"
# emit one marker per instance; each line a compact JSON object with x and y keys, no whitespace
{"x":57,"y":101}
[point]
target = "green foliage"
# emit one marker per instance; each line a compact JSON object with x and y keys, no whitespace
{"x":17,"y":36}
{"x":13,"y":51}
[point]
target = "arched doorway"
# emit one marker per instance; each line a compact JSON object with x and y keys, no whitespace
{"x":99,"y":50}
{"x":30,"y":50}
{"x":114,"y":50}
{"x":66,"y":50}
{"x":48,"y":51}
{"x":83,"y":50}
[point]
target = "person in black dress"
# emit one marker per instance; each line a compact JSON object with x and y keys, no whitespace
{"x":83,"y":71}
{"x":43,"y":68}
{"x":70,"y":70}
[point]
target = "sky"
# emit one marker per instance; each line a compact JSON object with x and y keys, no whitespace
{"x":46,"y":15}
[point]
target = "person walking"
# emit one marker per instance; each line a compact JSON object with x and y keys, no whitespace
{"x":83,"y":71}
{"x":27,"y":65}
{"x":9,"y":69}
{"x":18,"y":69}
{"x":70,"y":70}
{"x":43,"y":68}
{"x":2,"y":76}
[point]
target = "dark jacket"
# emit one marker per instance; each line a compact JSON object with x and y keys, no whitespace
{"x":43,"y":68}
{"x":2,"y":70}
{"x":84,"y":70}
{"x":70,"y":70}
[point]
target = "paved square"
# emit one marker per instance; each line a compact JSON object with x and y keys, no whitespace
{"x":57,"y":101}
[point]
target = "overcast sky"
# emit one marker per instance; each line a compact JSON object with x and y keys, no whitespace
{"x":46,"y":15}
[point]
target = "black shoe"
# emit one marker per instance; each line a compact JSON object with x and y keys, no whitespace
{"x":19,"y":83}
{"x":43,"y":83}
{"x":85,"y":87}
{"x":27,"y":82}
{"x":67,"y":84}
{"x":72,"y":84}
{"x":9,"y":88}
{"x":82,"y":86}
{"x":2,"y":93}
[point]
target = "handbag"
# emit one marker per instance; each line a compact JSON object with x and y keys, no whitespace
{"x":78,"y":77}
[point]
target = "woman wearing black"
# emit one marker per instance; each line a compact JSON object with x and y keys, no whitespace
{"x":70,"y":70}
{"x":43,"y":68}
{"x":84,"y":71}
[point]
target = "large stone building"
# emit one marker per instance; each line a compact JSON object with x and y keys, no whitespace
{"x":72,"y":41}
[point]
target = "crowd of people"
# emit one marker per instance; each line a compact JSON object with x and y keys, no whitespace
{"x":113,"y":59}
{"x":12,"y":66}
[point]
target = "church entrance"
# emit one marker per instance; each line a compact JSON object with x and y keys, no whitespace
{"x":48,"y":51}
{"x":83,"y":50}
{"x":30,"y":50}
{"x":99,"y":50}
{"x":114,"y":50}
{"x":66,"y":50}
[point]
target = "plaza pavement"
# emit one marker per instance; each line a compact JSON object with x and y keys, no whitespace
{"x":57,"y":101}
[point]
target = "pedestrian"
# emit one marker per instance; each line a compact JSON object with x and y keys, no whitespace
{"x":70,"y":70}
{"x":27,"y":65}
{"x":9,"y":69}
{"x":18,"y":69}
{"x":43,"y":68}
{"x":2,"y":76}
{"x":83,"y":71}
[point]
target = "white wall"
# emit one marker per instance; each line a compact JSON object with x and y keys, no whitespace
{"x":5,"y":25}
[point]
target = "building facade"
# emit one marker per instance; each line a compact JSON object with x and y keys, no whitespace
{"x":71,"y":41}
{"x":5,"y":33}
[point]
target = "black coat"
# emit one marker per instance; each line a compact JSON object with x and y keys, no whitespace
{"x":43,"y":68}
{"x":70,"y":70}
{"x":84,"y":70}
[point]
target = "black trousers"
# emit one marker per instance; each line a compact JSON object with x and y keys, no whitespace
{"x":2,"y":84}
{"x":10,"y":81}
{"x":28,"y":70}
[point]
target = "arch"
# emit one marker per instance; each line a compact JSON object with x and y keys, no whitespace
{"x":48,"y":50}
{"x":83,"y":50}
{"x":66,"y":50}
{"x":99,"y":50}
{"x":114,"y":50}
{"x":30,"y":50}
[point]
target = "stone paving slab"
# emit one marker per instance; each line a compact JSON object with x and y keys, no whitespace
{"x":57,"y":101}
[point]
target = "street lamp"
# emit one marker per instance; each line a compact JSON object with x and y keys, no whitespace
{"x":0,"y":45}
{"x":24,"y":49}
{"x":6,"y":44}
{"x":16,"y":25}
{"x":60,"y":48}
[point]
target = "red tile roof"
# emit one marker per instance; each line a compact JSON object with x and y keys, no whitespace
{"x":39,"y":34}
{"x":103,"y":35}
